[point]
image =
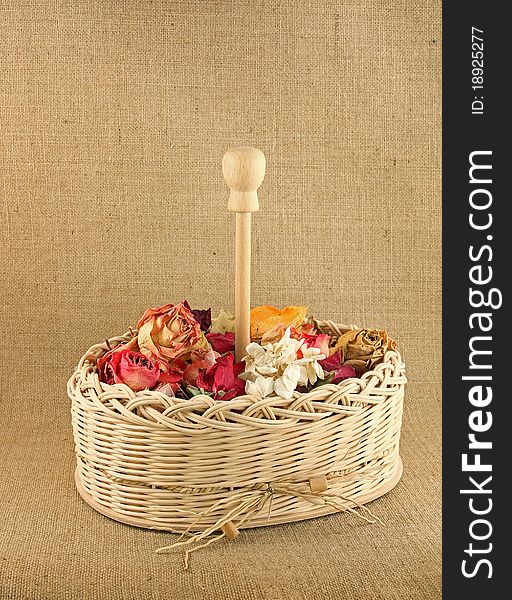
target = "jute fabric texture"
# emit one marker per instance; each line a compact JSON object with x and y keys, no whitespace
{"x":114,"y":117}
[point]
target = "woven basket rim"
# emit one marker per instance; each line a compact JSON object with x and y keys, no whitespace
{"x":321,"y":402}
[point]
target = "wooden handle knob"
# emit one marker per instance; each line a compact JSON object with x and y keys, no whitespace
{"x":243,"y":169}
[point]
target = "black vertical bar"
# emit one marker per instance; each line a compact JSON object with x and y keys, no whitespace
{"x":475,"y":527}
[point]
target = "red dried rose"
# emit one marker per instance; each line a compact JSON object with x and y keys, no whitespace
{"x":222,"y":342}
{"x":333,"y":363}
{"x":132,"y":368}
{"x":222,"y":378}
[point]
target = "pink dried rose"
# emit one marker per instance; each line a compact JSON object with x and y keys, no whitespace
{"x":201,"y":359}
{"x":122,"y":365}
{"x":317,"y":340}
{"x":168,"y":333}
{"x":222,"y":342}
{"x":341,"y":372}
{"x":173,"y":374}
{"x":222,"y":378}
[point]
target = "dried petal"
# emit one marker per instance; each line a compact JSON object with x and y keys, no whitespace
{"x":223,"y":323}
{"x":222,"y":342}
{"x":266,"y":318}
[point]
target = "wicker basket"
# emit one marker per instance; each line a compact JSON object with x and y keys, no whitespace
{"x":200,"y":465}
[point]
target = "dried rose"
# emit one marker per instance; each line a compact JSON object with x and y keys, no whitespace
{"x":221,"y":380}
{"x":363,"y":349}
{"x":265,"y":318}
{"x":332,"y":364}
{"x":173,"y":374}
{"x":318,"y":340}
{"x":121,"y":365}
{"x":169,"y":332}
{"x":222,"y":342}
{"x":201,"y":359}
{"x":203,"y":317}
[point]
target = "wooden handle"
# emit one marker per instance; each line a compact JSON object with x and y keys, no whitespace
{"x":244,"y":170}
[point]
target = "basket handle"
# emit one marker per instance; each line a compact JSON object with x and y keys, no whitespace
{"x":243,"y":169}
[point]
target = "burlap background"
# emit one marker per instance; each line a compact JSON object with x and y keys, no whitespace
{"x":114,"y":118}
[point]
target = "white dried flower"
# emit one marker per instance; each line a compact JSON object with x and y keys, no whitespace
{"x":277,"y":367}
{"x":285,"y":385}
{"x":261,"y":360}
{"x":311,"y":369}
{"x":262,"y":387}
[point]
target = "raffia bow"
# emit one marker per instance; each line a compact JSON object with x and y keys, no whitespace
{"x":244,"y":505}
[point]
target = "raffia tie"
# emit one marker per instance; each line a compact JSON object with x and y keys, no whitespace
{"x":244,"y":505}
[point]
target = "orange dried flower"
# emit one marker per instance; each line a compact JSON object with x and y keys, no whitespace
{"x":265,"y":318}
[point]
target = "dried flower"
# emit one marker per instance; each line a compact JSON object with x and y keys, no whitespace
{"x":300,"y":332}
{"x":285,"y":385}
{"x":121,"y":365}
{"x":201,"y":359}
{"x":332,"y":364}
{"x":317,"y":340}
{"x":203,"y":317}
{"x":286,"y":364}
{"x":173,"y":374}
{"x":223,"y":323}
{"x":311,"y":369}
{"x":221,"y":379}
{"x":344,"y":372}
{"x":265,"y":318}
{"x":272,"y":336}
{"x":363,"y":349}
{"x":222,"y":342}
{"x":261,"y":386}
{"x":169,"y":332}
